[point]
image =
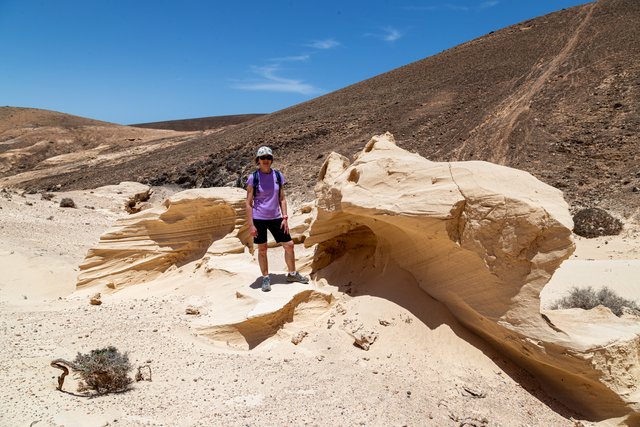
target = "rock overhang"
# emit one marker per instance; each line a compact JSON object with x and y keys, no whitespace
{"x":481,"y":238}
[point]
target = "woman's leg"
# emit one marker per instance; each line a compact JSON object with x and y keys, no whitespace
{"x":289,"y":256}
{"x":262,"y":259}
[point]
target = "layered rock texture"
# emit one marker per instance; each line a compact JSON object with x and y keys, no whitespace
{"x":178,"y":248}
{"x":484,"y":240}
{"x":143,"y":246}
{"x":481,"y":239}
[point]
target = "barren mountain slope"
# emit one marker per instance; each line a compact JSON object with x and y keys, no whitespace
{"x":202,"y":123}
{"x":557,"y":96}
{"x":39,"y":143}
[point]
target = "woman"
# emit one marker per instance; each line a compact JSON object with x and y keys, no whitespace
{"x":266,"y":208}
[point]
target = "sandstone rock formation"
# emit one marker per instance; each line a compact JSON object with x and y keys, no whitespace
{"x":143,"y":246}
{"x":482,"y":239}
{"x":179,"y":245}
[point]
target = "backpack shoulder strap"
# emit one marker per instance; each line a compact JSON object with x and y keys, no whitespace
{"x":279,"y":181}
{"x":256,"y":182}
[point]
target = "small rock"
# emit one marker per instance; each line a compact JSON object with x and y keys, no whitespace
{"x":364,"y":340}
{"x":95,"y":300}
{"x":297,"y":338}
{"x":471,"y":391}
{"x":594,"y":222}
{"x":384,"y":322}
{"x":67,"y":203}
{"x":192,"y":310}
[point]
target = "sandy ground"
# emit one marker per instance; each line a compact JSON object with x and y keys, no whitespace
{"x":423,"y":370}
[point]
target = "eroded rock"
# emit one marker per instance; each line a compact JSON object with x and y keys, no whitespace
{"x":483,"y":239}
{"x":142,"y":246}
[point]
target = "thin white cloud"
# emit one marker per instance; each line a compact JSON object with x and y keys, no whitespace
{"x":273,"y":83}
{"x":391,"y":34}
{"x":295,"y":58}
{"x":488,"y":4}
{"x":457,"y":8}
{"x":324,"y":44}
{"x":388,"y":34}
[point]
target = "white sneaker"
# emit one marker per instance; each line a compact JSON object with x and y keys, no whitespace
{"x":297,"y":277}
{"x":266,"y":284}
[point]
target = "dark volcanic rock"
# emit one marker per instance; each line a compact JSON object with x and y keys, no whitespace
{"x":595,"y":222}
{"x":67,"y":203}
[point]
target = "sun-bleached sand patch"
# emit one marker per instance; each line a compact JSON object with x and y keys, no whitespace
{"x":620,"y":275}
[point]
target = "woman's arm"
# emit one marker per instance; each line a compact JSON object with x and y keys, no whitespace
{"x":248,"y":206}
{"x":283,"y":210}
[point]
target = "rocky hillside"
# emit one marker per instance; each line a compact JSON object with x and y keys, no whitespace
{"x":557,"y":96}
{"x":47,"y":145}
{"x":202,"y":123}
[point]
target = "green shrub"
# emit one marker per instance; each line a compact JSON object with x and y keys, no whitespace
{"x":587,"y":298}
{"x":105,"y":370}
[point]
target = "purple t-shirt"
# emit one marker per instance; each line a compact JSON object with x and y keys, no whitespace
{"x":266,"y":201}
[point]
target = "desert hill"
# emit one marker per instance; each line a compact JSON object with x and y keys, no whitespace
{"x":15,"y":117}
{"x":37,"y":144}
{"x":556,"y":96}
{"x":202,"y":123}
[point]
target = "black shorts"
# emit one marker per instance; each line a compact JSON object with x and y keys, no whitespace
{"x":273,"y":225}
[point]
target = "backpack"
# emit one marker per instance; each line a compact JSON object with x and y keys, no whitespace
{"x":256,"y":180}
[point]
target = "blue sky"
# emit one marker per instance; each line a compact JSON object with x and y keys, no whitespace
{"x":149,"y":60}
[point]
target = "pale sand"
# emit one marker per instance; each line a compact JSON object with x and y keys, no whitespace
{"x":611,"y":261}
{"x":418,"y":372}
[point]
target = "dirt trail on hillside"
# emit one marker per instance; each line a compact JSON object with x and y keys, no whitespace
{"x":500,"y":124}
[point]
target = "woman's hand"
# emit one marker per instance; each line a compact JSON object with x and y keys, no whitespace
{"x":285,"y":225}
{"x":253,"y":230}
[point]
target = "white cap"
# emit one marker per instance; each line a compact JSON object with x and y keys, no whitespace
{"x":264,"y":151}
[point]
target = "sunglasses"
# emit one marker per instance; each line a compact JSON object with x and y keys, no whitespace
{"x":266,"y":157}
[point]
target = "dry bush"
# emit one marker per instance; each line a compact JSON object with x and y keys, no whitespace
{"x":587,"y":298}
{"x":105,"y":370}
